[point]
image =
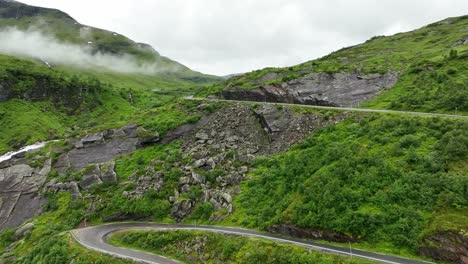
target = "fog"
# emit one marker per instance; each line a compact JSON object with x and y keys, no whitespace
{"x":35,"y":44}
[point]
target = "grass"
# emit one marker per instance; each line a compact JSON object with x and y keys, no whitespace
{"x":221,"y":248}
{"x":381,"y":179}
{"x":432,"y":70}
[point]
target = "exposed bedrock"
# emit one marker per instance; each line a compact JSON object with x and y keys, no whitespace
{"x":447,"y":247}
{"x":20,"y":198}
{"x":104,"y":146}
{"x":322,"y":89}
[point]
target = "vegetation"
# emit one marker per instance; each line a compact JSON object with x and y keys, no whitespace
{"x":431,"y":65}
{"x":378,"y":178}
{"x":218,"y":248}
{"x":388,"y":181}
{"x":62,"y":102}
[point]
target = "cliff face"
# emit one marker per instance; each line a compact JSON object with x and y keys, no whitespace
{"x":447,"y":246}
{"x":20,"y":186}
{"x":323,"y":89}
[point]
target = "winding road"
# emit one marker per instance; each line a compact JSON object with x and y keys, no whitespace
{"x":336,"y":108}
{"x":96,"y":238}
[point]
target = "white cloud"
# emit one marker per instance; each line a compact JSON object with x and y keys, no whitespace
{"x":223,"y":37}
{"x":35,"y":44}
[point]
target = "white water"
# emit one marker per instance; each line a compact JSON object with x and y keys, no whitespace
{"x":34,"y":146}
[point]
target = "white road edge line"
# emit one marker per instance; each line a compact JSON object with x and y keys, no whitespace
{"x":214,"y":230}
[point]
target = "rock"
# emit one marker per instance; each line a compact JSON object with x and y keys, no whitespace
{"x":185,"y":188}
{"x":151,"y":180}
{"x":90,"y":140}
{"x":104,"y":146}
{"x":20,"y":199}
{"x":201,"y":136}
{"x":463,"y":41}
{"x":227,"y":197}
{"x":180,"y":209}
{"x":243,"y":169}
{"x":337,"y":89}
{"x":74,"y":190}
{"x":317,"y":234}
{"x":198,"y":178}
{"x":147,"y":137}
{"x":20,"y":232}
{"x":446,"y":247}
{"x":211,"y":163}
{"x":184,"y":180}
{"x":199,"y":163}
{"x":90,"y":177}
{"x":108,"y":174}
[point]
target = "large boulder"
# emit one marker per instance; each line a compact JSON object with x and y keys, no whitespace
{"x":90,"y":177}
{"x":182,"y":208}
{"x":20,"y":232}
{"x":108,"y":174}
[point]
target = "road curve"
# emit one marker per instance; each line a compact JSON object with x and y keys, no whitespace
{"x":335,"y":108}
{"x":95,"y":238}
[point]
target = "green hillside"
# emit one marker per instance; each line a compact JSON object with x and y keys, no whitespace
{"x":431,"y":61}
{"x":389,"y":183}
{"x":62,"y":101}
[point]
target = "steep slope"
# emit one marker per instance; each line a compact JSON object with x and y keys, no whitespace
{"x":65,"y":28}
{"x":64,"y":95}
{"x":421,"y":70}
{"x":131,"y":149}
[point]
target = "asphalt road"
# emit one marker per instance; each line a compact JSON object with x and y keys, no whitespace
{"x":95,"y":238}
{"x":336,"y":108}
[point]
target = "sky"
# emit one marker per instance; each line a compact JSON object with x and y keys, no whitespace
{"x":225,"y":37}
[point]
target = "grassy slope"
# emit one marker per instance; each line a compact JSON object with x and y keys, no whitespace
{"x":49,"y":243}
{"x":109,"y":106}
{"x":431,"y":80}
{"x":388,"y":180}
{"x":408,"y":182}
{"x":222,"y":249}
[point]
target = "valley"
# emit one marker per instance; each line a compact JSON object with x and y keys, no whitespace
{"x":365,"y":149}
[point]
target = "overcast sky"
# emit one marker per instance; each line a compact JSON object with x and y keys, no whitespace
{"x":223,"y":36}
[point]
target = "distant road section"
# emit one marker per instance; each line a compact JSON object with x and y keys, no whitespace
{"x":95,"y":238}
{"x":335,"y":108}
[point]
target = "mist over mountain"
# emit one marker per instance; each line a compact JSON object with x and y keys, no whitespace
{"x":35,"y":44}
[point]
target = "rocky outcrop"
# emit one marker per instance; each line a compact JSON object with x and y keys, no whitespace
{"x":227,"y":142}
{"x":151,"y":180}
{"x":94,"y":174}
{"x":20,"y":198}
{"x":322,"y":89}
{"x":23,"y":230}
{"x":71,"y":187}
{"x":317,"y":234}
{"x":104,"y":146}
{"x":463,"y":41}
{"x":447,"y":247}
{"x":5,"y":93}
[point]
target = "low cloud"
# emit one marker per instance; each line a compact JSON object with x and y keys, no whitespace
{"x":35,"y":44}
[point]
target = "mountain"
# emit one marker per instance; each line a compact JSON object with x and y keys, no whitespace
{"x":127,"y":144}
{"x":63,"y":27}
{"x":72,"y":91}
{"x":420,"y":70}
